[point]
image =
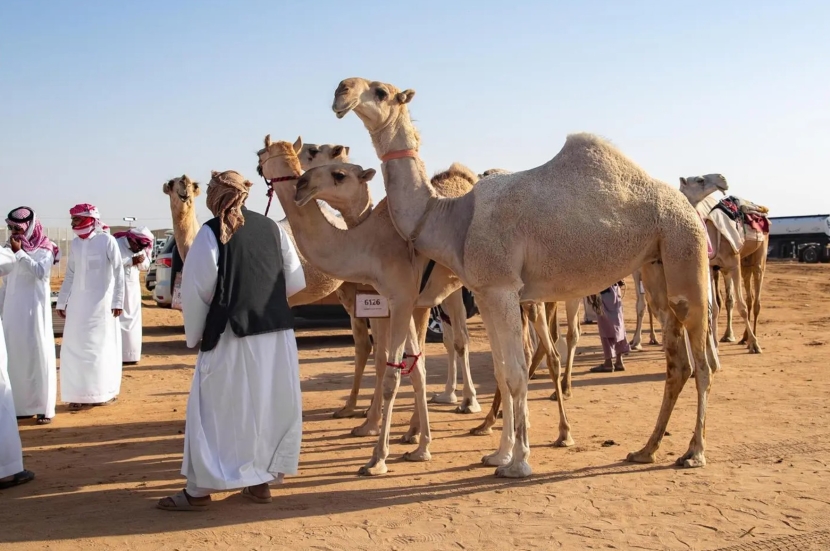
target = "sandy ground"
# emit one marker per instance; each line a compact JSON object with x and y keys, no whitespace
{"x":766,"y":487}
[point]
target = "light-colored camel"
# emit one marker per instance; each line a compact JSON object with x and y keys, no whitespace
{"x":371,"y":254}
{"x":182,"y":191}
{"x":352,"y":198}
{"x":603,"y":218}
{"x":642,"y":307}
{"x":729,"y":262}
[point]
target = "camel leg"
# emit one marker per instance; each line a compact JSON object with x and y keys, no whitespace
{"x":418,"y":376}
{"x":758,"y":279}
{"x":641,"y":310}
{"x":749,"y":299}
{"x":729,"y":290}
{"x":544,"y":330}
{"x":504,"y":330}
{"x":421,"y":318}
{"x":371,"y":426}
{"x":402,"y":333}
{"x":448,"y":336}
{"x":752,"y":341}
{"x":715,"y":301}
{"x":457,"y":313}
{"x":362,"y":350}
{"x":572,"y":313}
{"x":678,"y":367}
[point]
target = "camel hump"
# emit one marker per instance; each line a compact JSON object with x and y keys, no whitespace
{"x":455,"y":181}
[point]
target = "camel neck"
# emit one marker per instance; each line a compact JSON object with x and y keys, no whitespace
{"x":326,"y":247}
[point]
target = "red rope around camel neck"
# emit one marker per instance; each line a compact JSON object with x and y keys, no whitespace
{"x":400,"y":154}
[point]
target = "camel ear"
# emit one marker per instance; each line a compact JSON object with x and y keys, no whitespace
{"x":267,"y":141}
{"x":367,"y":174}
{"x":682,"y":181}
{"x":214,"y":173}
{"x":347,"y":149}
{"x":196,"y":189}
{"x":298,"y":145}
{"x":405,"y":96}
{"x":337,"y":150}
{"x":166,"y":188}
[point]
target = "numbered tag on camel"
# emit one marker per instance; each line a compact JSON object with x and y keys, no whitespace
{"x":371,"y":305}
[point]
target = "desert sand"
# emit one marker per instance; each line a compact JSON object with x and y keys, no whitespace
{"x":766,"y":485}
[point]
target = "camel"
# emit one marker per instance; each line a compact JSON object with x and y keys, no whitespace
{"x":604,"y":217}
{"x":182,"y":191}
{"x":371,"y":253}
{"x":642,"y":307}
{"x":752,"y":255}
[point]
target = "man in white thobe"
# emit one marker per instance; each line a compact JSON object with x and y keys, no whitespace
{"x":134,"y":245}
{"x":25,"y":302}
{"x":91,"y":299}
{"x":11,"y":452}
{"x":244,"y":412}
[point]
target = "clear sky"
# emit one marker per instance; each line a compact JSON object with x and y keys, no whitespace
{"x":102,"y":101}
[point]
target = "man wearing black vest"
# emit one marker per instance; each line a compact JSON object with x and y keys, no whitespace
{"x":244,"y":412}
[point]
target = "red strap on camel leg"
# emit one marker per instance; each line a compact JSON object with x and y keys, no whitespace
{"x":402,"y":366}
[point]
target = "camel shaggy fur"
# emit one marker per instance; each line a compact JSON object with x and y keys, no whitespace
{"x":604,"y":217}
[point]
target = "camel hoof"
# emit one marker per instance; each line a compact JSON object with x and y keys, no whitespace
{"x":640,"y":457}
{"x":755,"y":348}
{"x":468,"y":405}
{"x":410,"y":438}
{"x":654,"y":342}
{"x":348,"y":412}
{"x":691,"y":460}
{"x":516,"y":469}
{"x":564,"y":441}
{"x":638,"y":347}
{"x":565,"y":392}
{"x":373,"y":468}
{"x":417,"y":455}
{"x":742,"y":341}
{"x":481,"y":430}
{"x":450,"y":398}
{"x":727,"y":338}
{"x":365,"y":430}
{"x":496,"y":460}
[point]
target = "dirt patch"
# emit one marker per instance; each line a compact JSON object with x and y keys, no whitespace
{"x":765,"y":487}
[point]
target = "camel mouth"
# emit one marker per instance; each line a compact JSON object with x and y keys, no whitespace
{"x":303,"y":197}
{"x":184,"y":198}
{"x":343,"y":111}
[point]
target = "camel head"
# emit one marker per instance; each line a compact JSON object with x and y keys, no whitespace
{"x":336,"y":184}
{"x":376,"y":103}
{"x":313,"y":155}
{"x":182,"y":192}
{"x":696,"y":188}
{"x":279,"y":159}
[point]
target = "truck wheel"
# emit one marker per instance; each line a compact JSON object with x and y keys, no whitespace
{"x":810,"y":255}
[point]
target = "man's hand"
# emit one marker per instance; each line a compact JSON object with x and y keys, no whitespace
{"x":15,"y":243}
{"x":138,"y":259}
{"x":62,"y":313}
{"x":116,"y":312}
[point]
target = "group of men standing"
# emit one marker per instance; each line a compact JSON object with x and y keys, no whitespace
{"x":101,"y":301}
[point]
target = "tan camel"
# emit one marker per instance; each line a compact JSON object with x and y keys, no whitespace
{"x":604,"y":217}
{"x":726,"y":260}
{"x":642,"y":307}
{"x":371,"y":254}
{"x":182,"y":191}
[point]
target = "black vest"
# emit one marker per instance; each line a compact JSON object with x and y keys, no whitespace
{"x":250,"y":289}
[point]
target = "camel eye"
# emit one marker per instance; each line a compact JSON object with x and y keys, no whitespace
{"x":699,"y":180}
{"x":313,"y":151}
{"x":338,"y":176}
{"x":381,"y":93}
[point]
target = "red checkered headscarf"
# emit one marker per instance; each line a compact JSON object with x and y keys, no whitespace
{"x":33,"y":237}
{"x":91,"y":220}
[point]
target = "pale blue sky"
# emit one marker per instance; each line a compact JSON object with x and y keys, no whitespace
{"x":102,"y":101}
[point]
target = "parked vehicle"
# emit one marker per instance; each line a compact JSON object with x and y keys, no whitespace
{"x":806,"y":238}
{"x":162,"y":270}
{"x":435,"y":329}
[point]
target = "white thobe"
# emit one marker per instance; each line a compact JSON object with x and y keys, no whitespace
{"x":131,"y":317}
{"x":11,"y":452}
{"x":244,"y":412}
{"x":91,"y":350}
{"x":27,"y":321}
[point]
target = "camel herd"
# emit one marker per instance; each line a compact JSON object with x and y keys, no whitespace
{"x":606,"y":219}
